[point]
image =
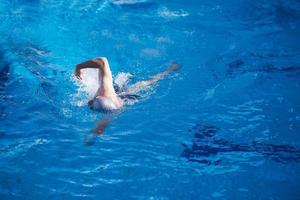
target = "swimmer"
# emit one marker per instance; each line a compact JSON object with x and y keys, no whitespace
{"x":107,"y":99}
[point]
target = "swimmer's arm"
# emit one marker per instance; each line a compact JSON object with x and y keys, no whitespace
{"x":99,"y":130}
{"x":102,"y":124}
{"x":100,"y":63}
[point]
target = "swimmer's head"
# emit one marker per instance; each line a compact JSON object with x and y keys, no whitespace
{"x":102,"y":104}
{"x":94,"y":104}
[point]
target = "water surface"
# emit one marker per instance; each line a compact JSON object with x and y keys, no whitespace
{"x":226,"y":126}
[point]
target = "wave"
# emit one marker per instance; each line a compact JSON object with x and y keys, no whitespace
{"x":129,"y":2}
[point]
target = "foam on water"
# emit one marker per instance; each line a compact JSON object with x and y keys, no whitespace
{"x":165,"y":12}
{"x":128,"y":2}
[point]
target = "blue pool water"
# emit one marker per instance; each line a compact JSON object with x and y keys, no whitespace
{"x":226,"y":126}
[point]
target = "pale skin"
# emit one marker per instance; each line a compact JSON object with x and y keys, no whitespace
{"x":106,"y":88}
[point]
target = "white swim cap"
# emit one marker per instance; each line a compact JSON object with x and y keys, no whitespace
{"x":103,"y":104}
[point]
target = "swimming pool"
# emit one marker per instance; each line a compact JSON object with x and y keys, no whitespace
{"x":226,"y":126}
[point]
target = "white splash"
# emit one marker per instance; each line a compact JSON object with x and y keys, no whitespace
{"x":166,"y":13}
{"x":122,"y":79}
{"x":89,"y":83}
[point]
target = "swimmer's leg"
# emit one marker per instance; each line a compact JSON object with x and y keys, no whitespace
{"x":142,"y":85}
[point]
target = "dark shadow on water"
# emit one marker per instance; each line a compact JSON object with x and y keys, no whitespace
{"x":206,"y":145}
{"x":240,"y":67}
{"x":4,"y":70}
{"x":4,"y":76}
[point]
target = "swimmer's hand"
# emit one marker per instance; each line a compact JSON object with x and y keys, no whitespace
{"x":90,"y":140}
